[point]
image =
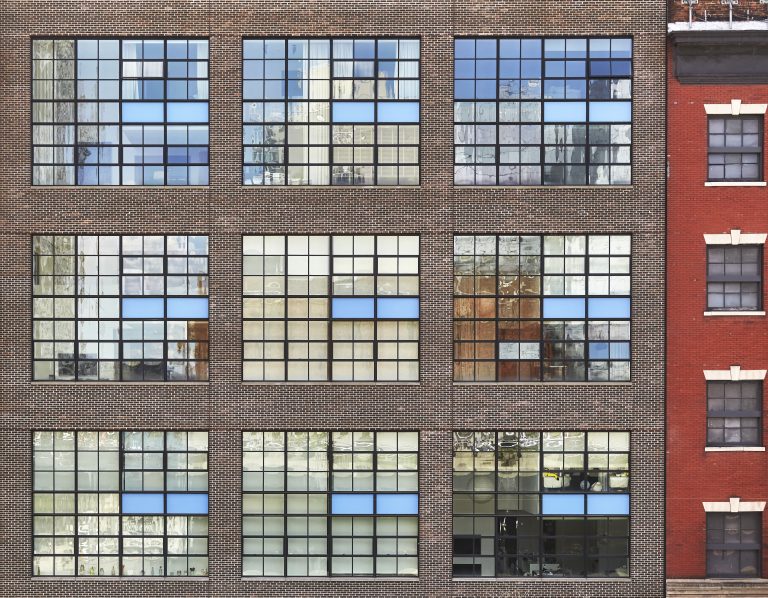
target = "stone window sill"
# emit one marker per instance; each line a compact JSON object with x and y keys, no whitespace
{"x":735,"y":184}
{"x":734,"y":313}
{"x":734,"y":449}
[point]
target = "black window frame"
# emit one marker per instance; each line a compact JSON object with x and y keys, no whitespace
{"x":329,"y":320}
{"x":121,"y":361}
{"x":756,"y":547}
{"x":713,"y":150}
{"x":542,"y":521}
{"x":726,"y":278}
{"x":375,"y":145}
{"x":543,"y":341}
{"x":542,"y":163}
{"x":120,"y":146}
{"x":737,"y":414}
{"x":328,"y":516}
{"x":121,"y":490}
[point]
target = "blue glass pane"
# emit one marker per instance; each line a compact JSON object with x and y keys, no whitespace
{"x":187,"y":504}
{"x":353,"y":112}
{"x":352,"y":504}
{"x":485,"y":48}
{"x":600,"y":48}
{"x":143,"y":112}
{"x":141,"y":503}
{"x":598,"y":350}
{"x":398,"y":307}
{"x":464,"y":69}
{"x":143,"y":307}
{"x":184,"y":112}
{"x":188,"y":307}
{"x":617,"y":307}
{"x":464,"y":48}
{"x":562,"y":504}
{"x":609,"y":112}
{"x":608,"y":504}
{"x":352,"y":307}
{"x":395,"y":112}
{"x":621,"y":48}
{"x":565,"y":112}
{"x":486,"y":89}
{"x":509,"y":48}
{"x":397,"y":504}
{"x":464,"y":90}
{"x":563,"y":308}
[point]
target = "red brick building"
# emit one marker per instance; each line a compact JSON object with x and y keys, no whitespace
{"x":716,"y":353}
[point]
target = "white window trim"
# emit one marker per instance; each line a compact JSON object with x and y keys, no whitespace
{"x":734,"y":449}
{"x":735,"y":184}
{"x":734,"y":374}
{"x":735,"y":108}
{"x":734,"y":313}
{"x":736,"y":237}
{"x":734,"y":505}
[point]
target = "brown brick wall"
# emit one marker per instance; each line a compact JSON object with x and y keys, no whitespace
{"x":225,"y":210}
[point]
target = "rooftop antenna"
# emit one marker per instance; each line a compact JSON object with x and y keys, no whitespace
{"x":690,"y":4}
{"x":730,"y":4}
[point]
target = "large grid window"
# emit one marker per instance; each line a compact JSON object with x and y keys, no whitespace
{"x":541,"y":307}
{"x":550,"y":504}
{"x":532,"y":111}
{"x":120,"y":112}
{"x":735,"y":148}
{"x":120,"y":503}
{"x":734,"y":277}
{"x":331,"y":112}
{"x":336,"y":308}
{"x":733,"y":544}
{"x":127,"y":308}
{"x":330,"y":503}
{"x":734,"y":413}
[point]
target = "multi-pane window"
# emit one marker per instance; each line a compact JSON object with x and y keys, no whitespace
{"x":541,"y":504}
{"x":331,"y":112}
{"x":330,"y":503}
{"x":734,"y":277}
{"x":735,"y":148}
{"x":733,"y":544}
{"x":120,"y":503}
{"x":541,"y":307}
{"x":127,"y":308}
{"x":331,"y":307}
{"x":532,"y":111}
{"x":120,"y":111}
{"x":734,"y":413}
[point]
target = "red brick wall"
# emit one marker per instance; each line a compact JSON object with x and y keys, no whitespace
{"x":696,"y":343}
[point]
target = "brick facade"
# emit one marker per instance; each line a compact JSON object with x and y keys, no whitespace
{"x":225,"y":210}
{"x":695,"y":342}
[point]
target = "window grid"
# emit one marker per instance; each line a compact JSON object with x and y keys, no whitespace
{"x":508,"y":489}
{"x":294,"y":323}
{"x":294,"y":140}
{"x":502,"y":329}
{"x":290,"y":525}
{"x":82,"y":329}
{"x":102,"y":139}
{"x":516,"y":121}
{"x":734,"y":544}
{"x":735,"y":148}
{"x":80,"y":527}
{"x":734,"y":277}
{"x":734,"y":413}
